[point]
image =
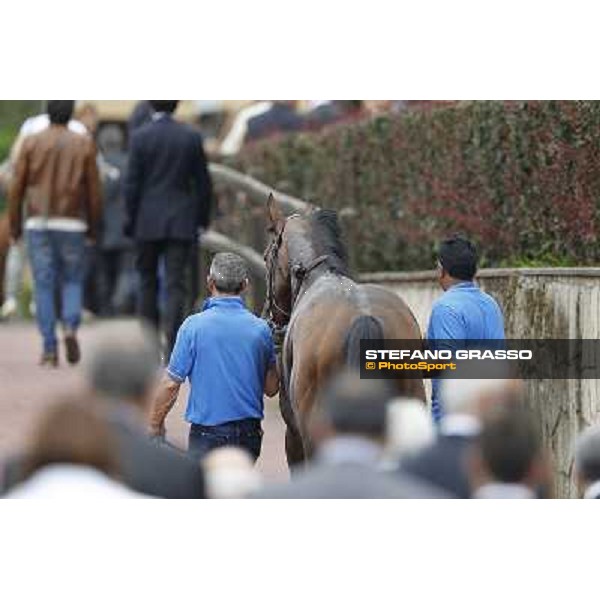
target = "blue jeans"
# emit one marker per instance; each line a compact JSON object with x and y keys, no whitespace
{"x":57,"y":262}
{"x":246,"y":434}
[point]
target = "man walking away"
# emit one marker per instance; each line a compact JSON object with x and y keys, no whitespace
{"x":168,"y":196}
{"x":464,"y":314}
{"x":229,"y":357}
{"x":56,"y":179}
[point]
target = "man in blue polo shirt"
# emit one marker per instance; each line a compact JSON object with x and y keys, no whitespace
{"x":464,"y":315}
{"x":227,"y":353}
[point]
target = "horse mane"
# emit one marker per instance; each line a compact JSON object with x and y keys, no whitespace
{"x":327,"y":238}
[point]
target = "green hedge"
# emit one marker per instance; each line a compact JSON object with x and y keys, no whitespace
{"x":521,"y":178}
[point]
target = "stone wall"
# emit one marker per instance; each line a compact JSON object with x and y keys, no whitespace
{"x":537,"y":303}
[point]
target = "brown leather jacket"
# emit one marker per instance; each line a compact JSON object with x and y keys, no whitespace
{"x":55,"y":176}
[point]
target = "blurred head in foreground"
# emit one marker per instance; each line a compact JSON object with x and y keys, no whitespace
{"x":351,"y":407}
{"x":123,"y":363}
{"x":72,"y":433}
{"x":468,"y":398}
{"x":587,"y":462}
{"x":508,"y":460}
{"x":408,"y":427}
{"x":229,"y":473}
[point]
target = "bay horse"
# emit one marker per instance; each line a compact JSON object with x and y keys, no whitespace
{"x":325,"y":314}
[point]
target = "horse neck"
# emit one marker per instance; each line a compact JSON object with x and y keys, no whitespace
{"x":302,"y":252}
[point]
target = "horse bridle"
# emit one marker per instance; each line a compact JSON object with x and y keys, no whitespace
{"x":298,"y":274}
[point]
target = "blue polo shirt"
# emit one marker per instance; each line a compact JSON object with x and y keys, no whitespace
{"x":225,"y":351}
{"x":460,"y":317}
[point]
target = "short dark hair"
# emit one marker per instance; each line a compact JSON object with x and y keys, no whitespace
{"x":458,"y":256}
{"x":60,"y":111}
{"x":167,"y":106}
{"x":509,"y":443}
{"x":356,"y":406}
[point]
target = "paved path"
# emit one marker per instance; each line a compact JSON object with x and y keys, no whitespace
{"x":26,"y":389}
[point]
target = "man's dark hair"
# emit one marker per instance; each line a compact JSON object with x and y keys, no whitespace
{"x":166,"y":106}
{"x":60,"y":111}
{"x":509,"y":444}
{"x":458,"y":256}
{"x":356,"y":406}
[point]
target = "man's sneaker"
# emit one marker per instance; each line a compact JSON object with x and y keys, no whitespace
{"x":9,"y":308}
{"x":72,"y":348}
{"x":49,"y":360}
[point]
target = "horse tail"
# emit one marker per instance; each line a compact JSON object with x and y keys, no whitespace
{"x":363,"y":327}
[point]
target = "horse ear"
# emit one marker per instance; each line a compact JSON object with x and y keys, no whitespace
{"x":275,"y":216}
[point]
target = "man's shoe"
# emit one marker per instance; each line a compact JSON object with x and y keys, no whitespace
{"x":9,"y":308}
{"x":72,"y":349}
{"x":49,"y":360}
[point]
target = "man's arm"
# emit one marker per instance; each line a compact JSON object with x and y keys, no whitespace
{"x":272,"y":381}
{"x":165,"y":398}
{"x":17,"y":192}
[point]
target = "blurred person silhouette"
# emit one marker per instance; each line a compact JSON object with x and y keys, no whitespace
{"x":408,"y":429}
{"x":228,"y":355}
{"x":71,"y":456}
{"x":168,"y":193}
{"x":348,"y":428}
{"x":587,"y":463}
{"x":56,"y":185}
{"x":507,"y":460}
{"x":328,"y":112}
{"x":230,"y":473}
{"x":444,"y":462}
{"x":122,"y":371}
{"x":116,"y":277}
{"x":234,"y":139}
{"x":281,"y":117}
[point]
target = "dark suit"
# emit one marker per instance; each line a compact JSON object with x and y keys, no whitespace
{"x":347,"y":468}
{"x":168,"y":194}
{"x":442,"y":464}
{"x":155,"y":469}
{"x":146,"y":467}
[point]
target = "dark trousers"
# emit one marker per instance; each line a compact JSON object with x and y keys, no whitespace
{"x":246,"y":434}
{"x":176,"y":256}
{"x":116,"y":281}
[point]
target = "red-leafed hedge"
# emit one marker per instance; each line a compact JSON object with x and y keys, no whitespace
{"x":521,"y":178}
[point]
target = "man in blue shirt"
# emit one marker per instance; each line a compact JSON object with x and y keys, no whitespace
{"x":227,"y":353}
{"x":464,"y":315}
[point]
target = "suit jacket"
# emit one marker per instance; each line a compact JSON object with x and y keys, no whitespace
{"x":349,"y":481}
{"x":155,"y":469}
{"x":146,"y":467}
{"x":442,"y":464}
{"x":168,"y":190}
{"x":347,"y":468}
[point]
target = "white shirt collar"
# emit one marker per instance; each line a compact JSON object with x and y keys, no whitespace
{"x":462,"y":425}
{"x":592,"y":491}
{"x":503,"y":491}
{"x":350,"y":449}
{"x":159,"y":115}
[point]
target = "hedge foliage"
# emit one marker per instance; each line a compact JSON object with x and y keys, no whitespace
{"x":522,"y":179}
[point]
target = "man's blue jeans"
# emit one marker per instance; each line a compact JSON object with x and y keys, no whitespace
{"x":246,"y":434}
{"x":57,"y":262}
